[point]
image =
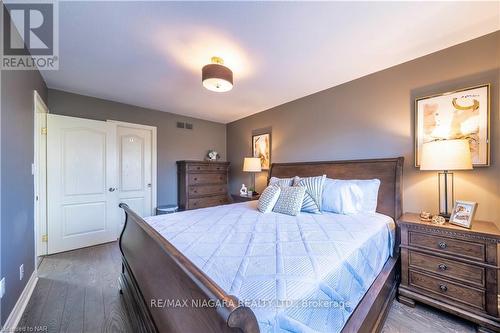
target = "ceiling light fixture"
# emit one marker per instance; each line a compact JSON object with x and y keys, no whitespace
{"x":216,"y":76}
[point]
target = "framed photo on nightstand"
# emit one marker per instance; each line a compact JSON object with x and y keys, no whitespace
{"x":463,"y":213}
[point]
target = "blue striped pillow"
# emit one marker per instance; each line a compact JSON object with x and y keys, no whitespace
{"x":314,"y":191}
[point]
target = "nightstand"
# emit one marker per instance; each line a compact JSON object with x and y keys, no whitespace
{"x":451,"y":268}
{"x":240,"y":198}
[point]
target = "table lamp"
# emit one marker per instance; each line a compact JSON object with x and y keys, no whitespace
{"x":446,"y":155}
{"x":252,"y":165}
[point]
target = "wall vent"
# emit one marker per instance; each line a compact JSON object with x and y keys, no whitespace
{"x":189,"y":126}
{"x":180,"y":124}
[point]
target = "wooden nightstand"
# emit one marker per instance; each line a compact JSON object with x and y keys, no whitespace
{"x":239,"y":198}
{"x":451,"y":268}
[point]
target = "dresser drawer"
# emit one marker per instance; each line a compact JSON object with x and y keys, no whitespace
{"x":448,"y":268}
{"x":470,"y":250}
{"x":207,"y":178}
{"x":207,"y":167}
{"x":200,"y":190}
{"x":448,"y":290}
{"x":207,"y":201}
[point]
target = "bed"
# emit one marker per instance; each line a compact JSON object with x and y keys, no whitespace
{"x":216,"y":269}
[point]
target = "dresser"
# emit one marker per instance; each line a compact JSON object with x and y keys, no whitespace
{"x":201,"y":184}
{"x":451,"y":268}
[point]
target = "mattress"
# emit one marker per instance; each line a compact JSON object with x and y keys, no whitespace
{"x":304,"y":273}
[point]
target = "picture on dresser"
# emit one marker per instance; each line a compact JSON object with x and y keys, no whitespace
{"x":463,"y":213}
{"x":261,"y":148}
{"x":461,"y":114}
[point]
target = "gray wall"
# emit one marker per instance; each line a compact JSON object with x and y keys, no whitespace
{"x":17,"y":221}
{"x":373,"y":117}
{"x":173,"y":143}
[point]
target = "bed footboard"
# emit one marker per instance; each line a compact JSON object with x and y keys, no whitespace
{"x":174,"y":295}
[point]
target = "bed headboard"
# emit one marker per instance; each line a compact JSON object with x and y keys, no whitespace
{"x":388,"y":170}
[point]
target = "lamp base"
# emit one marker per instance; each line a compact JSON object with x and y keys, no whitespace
{"x":445,"y":215}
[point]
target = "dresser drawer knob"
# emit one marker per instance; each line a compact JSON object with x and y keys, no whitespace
{"x":442,"y":267}
{"x":443,"y":287}
{"x":442,"y":245}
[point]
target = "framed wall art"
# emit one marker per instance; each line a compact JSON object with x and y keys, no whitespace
{"x":460,"y":114}
{"x":261,"y":147}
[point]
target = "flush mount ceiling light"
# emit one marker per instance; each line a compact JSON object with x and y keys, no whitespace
{"x":216,"y":76}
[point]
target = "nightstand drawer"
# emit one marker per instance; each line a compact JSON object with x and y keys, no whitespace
{"x":448,"y":290}
{"x":448,"y":245}
{"x":469,"y":274}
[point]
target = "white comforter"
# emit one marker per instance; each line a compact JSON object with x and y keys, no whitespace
{"x":302,"y":273}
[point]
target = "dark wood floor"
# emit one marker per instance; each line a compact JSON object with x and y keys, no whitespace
{"x":77,"y":291}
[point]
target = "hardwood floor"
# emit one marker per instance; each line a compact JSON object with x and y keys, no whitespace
{"x":77,"y":291}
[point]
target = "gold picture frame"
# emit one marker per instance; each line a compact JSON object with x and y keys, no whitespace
{"x":261,"y":147}
{"x":444,"y":116}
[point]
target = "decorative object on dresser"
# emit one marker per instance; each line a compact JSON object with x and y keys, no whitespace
{"x":446,"y":155}
{"x":201,"y":184}
{"x":212,"y":155}
{"x":244,"y":198}
{"x":451,"y":268}
{"x":252,"y":165}
{"x":463,"y":213}
{"x":460,"y":114}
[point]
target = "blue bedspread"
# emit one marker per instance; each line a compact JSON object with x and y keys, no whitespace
{"x":302,"y":273}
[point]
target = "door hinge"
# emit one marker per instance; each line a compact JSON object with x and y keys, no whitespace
{"x":44,"y":130}
{"x":45,"y":238}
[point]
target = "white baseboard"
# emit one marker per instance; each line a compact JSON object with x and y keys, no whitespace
{"x":18,"y":310}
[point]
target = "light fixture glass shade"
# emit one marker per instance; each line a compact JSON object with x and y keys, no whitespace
{"x":446,"y":155}
{"x":217,"y":77}
{"x":252,"y":164}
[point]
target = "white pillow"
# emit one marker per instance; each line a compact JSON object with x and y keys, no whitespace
{"x":268,"y":198}
{"x":350,"y":196}
{"x":282,"y":182}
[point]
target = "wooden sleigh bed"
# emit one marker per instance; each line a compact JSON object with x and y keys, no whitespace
{"x":153,"y":270}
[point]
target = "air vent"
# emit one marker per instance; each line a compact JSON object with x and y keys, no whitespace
{"x":180,"y":124}
{"x":189,"y":126}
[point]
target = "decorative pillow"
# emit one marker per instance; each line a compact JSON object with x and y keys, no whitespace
{"x":268,"y":198}
{"x":290,"y":200}
{"x":350,"y":196}
{"x":281,"y":182}
{"x":314,"y":192}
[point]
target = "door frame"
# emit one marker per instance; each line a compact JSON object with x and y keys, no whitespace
{"x":154,"y":153}
{"x":40,"y":111}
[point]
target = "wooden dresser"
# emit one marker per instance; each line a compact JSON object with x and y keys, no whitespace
{"x":201,"y":184}
{"x":451,"y":268}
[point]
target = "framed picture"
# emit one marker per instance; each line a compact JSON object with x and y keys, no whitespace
{"x":261,"y":147}
{"x":461,"y":114}
{"x":463,"y":213}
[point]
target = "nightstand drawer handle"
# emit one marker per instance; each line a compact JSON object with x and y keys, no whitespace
{"x":443,"y":287}
{"x":442,"y":245}
{"x":442,"y":267}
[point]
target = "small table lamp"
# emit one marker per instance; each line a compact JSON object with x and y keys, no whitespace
{"x":252,"y":164}
{"x":446,"y":155}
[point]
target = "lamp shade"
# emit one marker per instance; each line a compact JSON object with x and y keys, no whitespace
{"x":446,"y":155}
{"x":252,"y":164}
{"x":217,"y":77}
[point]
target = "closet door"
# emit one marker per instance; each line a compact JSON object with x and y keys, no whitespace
{"x":81,"y":183}
{"x":134,"y":145}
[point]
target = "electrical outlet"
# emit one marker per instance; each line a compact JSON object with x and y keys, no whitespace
{"x":21,"y":272}
{"x":2,"y":287}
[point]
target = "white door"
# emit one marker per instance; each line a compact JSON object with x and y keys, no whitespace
{"x":134,"y":145}
{"x":81,"y":179}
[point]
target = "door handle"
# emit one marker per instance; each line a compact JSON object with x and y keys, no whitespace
{"x":112,"y":189}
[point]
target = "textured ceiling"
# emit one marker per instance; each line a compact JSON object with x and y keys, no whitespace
{"x":150,"y":54}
